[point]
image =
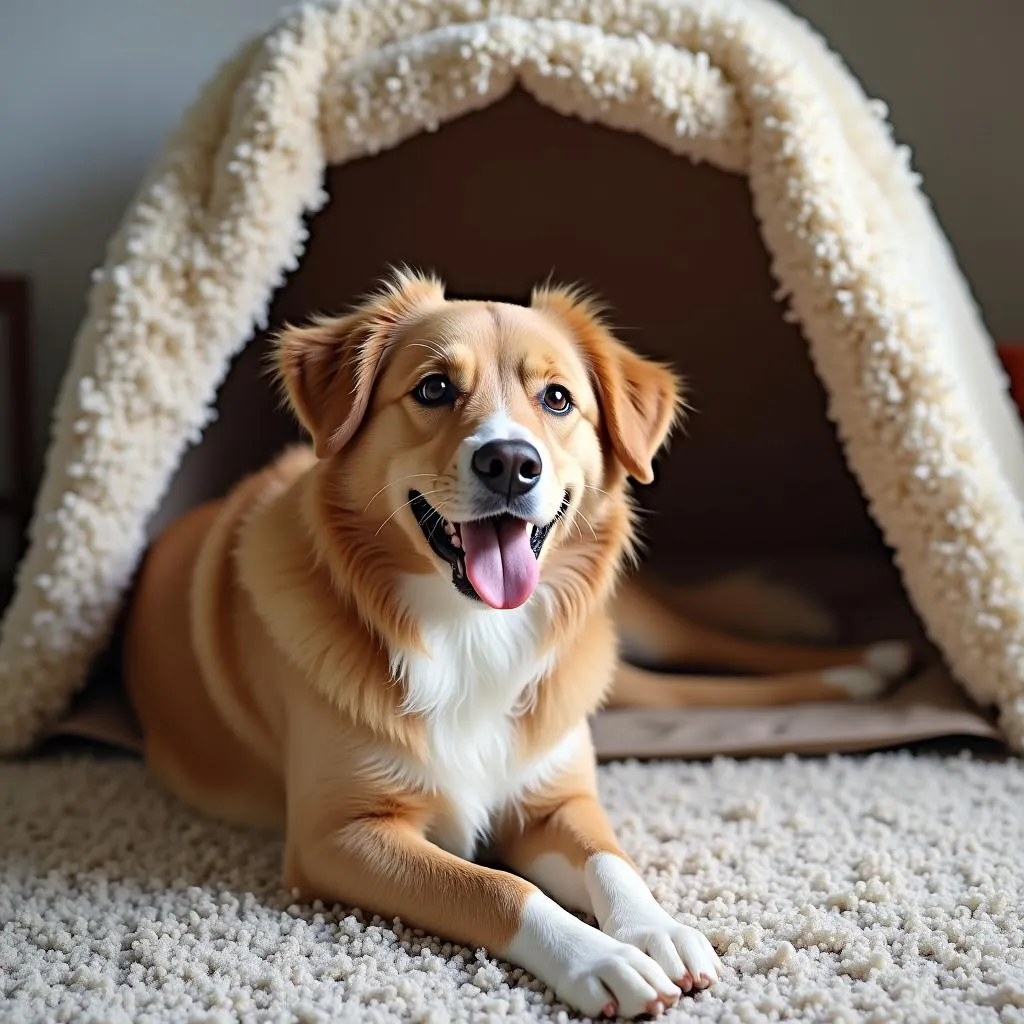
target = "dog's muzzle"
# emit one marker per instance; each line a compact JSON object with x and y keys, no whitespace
{"x":493,"y":559}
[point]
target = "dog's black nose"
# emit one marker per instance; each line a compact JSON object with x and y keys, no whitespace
{"x":508,"y":468}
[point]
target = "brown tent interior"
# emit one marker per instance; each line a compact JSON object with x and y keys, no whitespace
{"x":499,"y":200}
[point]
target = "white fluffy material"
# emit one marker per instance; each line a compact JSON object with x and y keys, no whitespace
{"x":915,"y":389}
{"x":831,"y":895}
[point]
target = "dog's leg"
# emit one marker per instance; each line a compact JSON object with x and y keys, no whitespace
{"x":568,"y":847}
{"x":357,"y":842}
{"x":653,"y":633}
{"x":385,"y":865}
{"x":638,"y":688}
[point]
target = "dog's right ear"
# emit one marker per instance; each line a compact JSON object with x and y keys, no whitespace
{"x":329,"y":367}
{"x":641,"y":400}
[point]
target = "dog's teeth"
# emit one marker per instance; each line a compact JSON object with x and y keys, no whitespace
{"x":456,"y":542}
{"x":448,"y":528}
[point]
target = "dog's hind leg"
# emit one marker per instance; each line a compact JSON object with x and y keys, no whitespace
{"x":639,"y":688}
{"x":652,"y":633}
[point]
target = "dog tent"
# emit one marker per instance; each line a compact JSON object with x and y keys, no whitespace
{"x":710,"y":167}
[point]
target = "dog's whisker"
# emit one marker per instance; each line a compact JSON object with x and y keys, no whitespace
{"x":585,"y":519}
{"x":438,"y":520}
{"x":400,"y":480}
{"x":430,"y":346}
{"x":562,"y":515}
{"x":404,"y":505}
{"x":434,"y":350}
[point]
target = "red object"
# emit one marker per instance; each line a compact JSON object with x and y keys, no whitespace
{"x":1012,"y":356}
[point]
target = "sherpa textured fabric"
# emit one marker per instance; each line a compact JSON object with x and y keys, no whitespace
{"x":915,"y":388}
{"x":882,"y":891}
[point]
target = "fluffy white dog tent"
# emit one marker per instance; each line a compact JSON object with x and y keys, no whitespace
{"x":911,"y":377}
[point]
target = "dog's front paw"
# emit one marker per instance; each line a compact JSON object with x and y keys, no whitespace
{"x":682,"y":952}
{"x":616,"y":979}
{"x":590,"y":970}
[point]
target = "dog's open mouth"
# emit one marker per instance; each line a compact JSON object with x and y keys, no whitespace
{"x":493,"y":560}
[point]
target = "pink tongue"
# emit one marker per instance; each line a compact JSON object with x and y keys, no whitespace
{"x":499,"y":561}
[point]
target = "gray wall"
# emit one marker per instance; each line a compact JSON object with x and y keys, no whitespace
{"x":90,"y":88}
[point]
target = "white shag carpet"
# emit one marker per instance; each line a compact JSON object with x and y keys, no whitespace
{"x":884,"y":889}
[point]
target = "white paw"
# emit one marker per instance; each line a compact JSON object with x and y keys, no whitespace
{"x":592,"y":972}
{"x":682,"y":952}
{"x":891,"y":659}
{"x":855,"y":681}
{"x":618,"y":980}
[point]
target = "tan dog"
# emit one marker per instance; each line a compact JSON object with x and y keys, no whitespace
{"x":389,"y":646}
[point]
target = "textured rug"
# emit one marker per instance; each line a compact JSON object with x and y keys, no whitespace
{"x":882,"y":889}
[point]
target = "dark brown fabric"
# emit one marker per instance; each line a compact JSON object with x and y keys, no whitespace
{"x":497,"y":201}
{"x":501,"y":200}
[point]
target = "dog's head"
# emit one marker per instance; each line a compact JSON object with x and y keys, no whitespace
{"x":486,"y":432}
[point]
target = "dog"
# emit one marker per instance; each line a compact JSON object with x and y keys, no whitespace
{"x":387,"y":643}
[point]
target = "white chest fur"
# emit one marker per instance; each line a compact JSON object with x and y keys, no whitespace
{"x":479,"y":669}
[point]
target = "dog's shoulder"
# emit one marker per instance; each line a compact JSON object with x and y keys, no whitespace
{"x":298,"y":603}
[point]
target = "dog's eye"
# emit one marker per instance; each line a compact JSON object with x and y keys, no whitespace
{"x":436,"y":389}
{"x":556,"y":399}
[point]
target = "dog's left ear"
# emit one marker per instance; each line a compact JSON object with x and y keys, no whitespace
{"x":328,"y":368}
{"x":641,"y":400}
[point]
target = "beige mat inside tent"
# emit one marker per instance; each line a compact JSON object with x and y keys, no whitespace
{"x":497,"y":200}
